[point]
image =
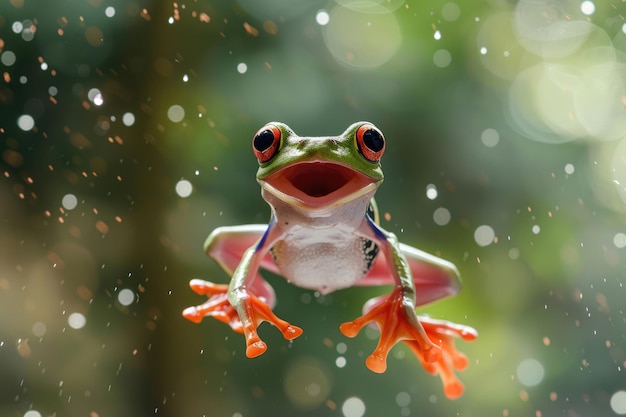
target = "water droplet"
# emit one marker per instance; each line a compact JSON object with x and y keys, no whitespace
{"x":530,"y":372}
{"x":76,"y":320}
{"x":431,"y":191}
{"x":184,"y":188}
{"x":441,"y":216}
{"x":442,"y":58}
{"x":322,"y":17}
{"x":619,"y":240}
{"x":587,"y":7}
{"x":618,"y":402}
{"x":128,"y":119}
{"x":26,"y":122}
{"x":484,"y":235}
{"x":69,"y":201}
{"x":490,"y":137}
{"x":8,"y":58}
{"x":126,"y":297}
{"x":353,"y":407}
{"x":176,"y":113}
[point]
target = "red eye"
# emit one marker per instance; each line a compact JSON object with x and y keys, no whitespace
{"x":371,"y":142}
{"x":266,"y":143}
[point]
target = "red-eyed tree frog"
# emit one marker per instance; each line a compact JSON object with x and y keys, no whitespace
{"x":324,"y":235}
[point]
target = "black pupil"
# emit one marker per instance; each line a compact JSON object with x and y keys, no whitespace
{"x":373,"y":140}
{"x":263,"y":140}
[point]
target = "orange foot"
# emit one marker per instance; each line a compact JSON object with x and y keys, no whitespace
{"x":255,"y":309}
{"x":397,"y":321}
{"x":443,"y":333}
{"x":430,"y":340}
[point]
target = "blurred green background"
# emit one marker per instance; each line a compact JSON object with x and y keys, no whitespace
{"x":125,"y":130}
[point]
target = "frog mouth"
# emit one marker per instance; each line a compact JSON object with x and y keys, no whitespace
{"x":318,"y":184}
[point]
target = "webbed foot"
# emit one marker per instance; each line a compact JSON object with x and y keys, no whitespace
{"x":254,"y":311}
{"x":444,"y":333}
{"x":430,"y":340}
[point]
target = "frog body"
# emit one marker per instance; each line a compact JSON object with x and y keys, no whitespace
{"x":322,"y":237}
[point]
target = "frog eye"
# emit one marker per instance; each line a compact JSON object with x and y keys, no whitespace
{"x":266,"y":143}
{"x":370,"y":142}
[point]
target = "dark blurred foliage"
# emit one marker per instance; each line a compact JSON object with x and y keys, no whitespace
{"x":511,"y":114}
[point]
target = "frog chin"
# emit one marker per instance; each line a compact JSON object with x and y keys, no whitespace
{"x":317,"y":186}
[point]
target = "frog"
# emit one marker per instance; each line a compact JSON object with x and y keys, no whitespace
{"x":324,"y":234}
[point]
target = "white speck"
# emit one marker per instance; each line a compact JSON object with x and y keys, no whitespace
{"x":39,"y":329}
{"x":242,"y":68}
{"x":52,"y":90}
{"x":32,"y":413}
{"x":587,"y":7}
{"x":484,"y":235}
{"x":441,"y":216}
{"x":618,"y":402}
{"x":506,"y":54}
{"x":26,"y":122}
{"x":353,"y":407}
{"x":514,"y":253}
{"x":431,"y":191}
{"x":95,"y":96}
{"x":185,"y":78}
{"x":569,"y":169}
{"x":109,"y":11}
{"x":530,"y":372}
{"x":176,"y":113}
{"x":69,"y":201}
{"x":171,"y":20}
{"x":8,"y":58}
{"x":483,"y":51}
{"x":184,"y":188}
{"x":322,"y":17}
{"x":624,"y":28}
{"x":619,"y":240}
{"x":76,"y":321}
{"x":17,"y":27}
{"x":340,"y":362}
{"x":44,"y":66}
{"x":437,"y":35}
{"x":126,"y":297}
{"x":536,"y":229}
{"x":442,"y":58}
{"x":23,"y":79}
{"x":128,"y":119}
{"x":490,"y":137}
{"x":450,"y":12}
{"x":403,"y":399}
{"x":341,"y":348}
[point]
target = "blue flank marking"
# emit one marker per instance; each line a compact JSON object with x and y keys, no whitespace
{"x":375,"y":228}
{"x":267,"y":231}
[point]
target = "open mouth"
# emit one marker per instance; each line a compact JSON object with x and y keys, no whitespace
{"x":318,"y":183}
{"x":318,"y":179}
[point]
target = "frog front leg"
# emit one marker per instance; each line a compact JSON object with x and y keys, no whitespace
{"x":247,"y":300}
{"x":432,"y":341}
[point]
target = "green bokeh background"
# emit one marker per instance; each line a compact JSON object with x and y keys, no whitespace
{"x":549,"y":287}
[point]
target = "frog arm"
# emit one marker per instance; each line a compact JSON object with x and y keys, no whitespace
{"x":432,"y":341}
{"x":434,"y":278}
{"x":227,"y":245}
{"x":243,"y":304}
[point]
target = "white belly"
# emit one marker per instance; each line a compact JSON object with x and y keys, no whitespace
{"x":325,"y":266}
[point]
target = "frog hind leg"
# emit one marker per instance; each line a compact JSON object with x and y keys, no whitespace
{"x":434,"y":279}
{"x":226,"y":245}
